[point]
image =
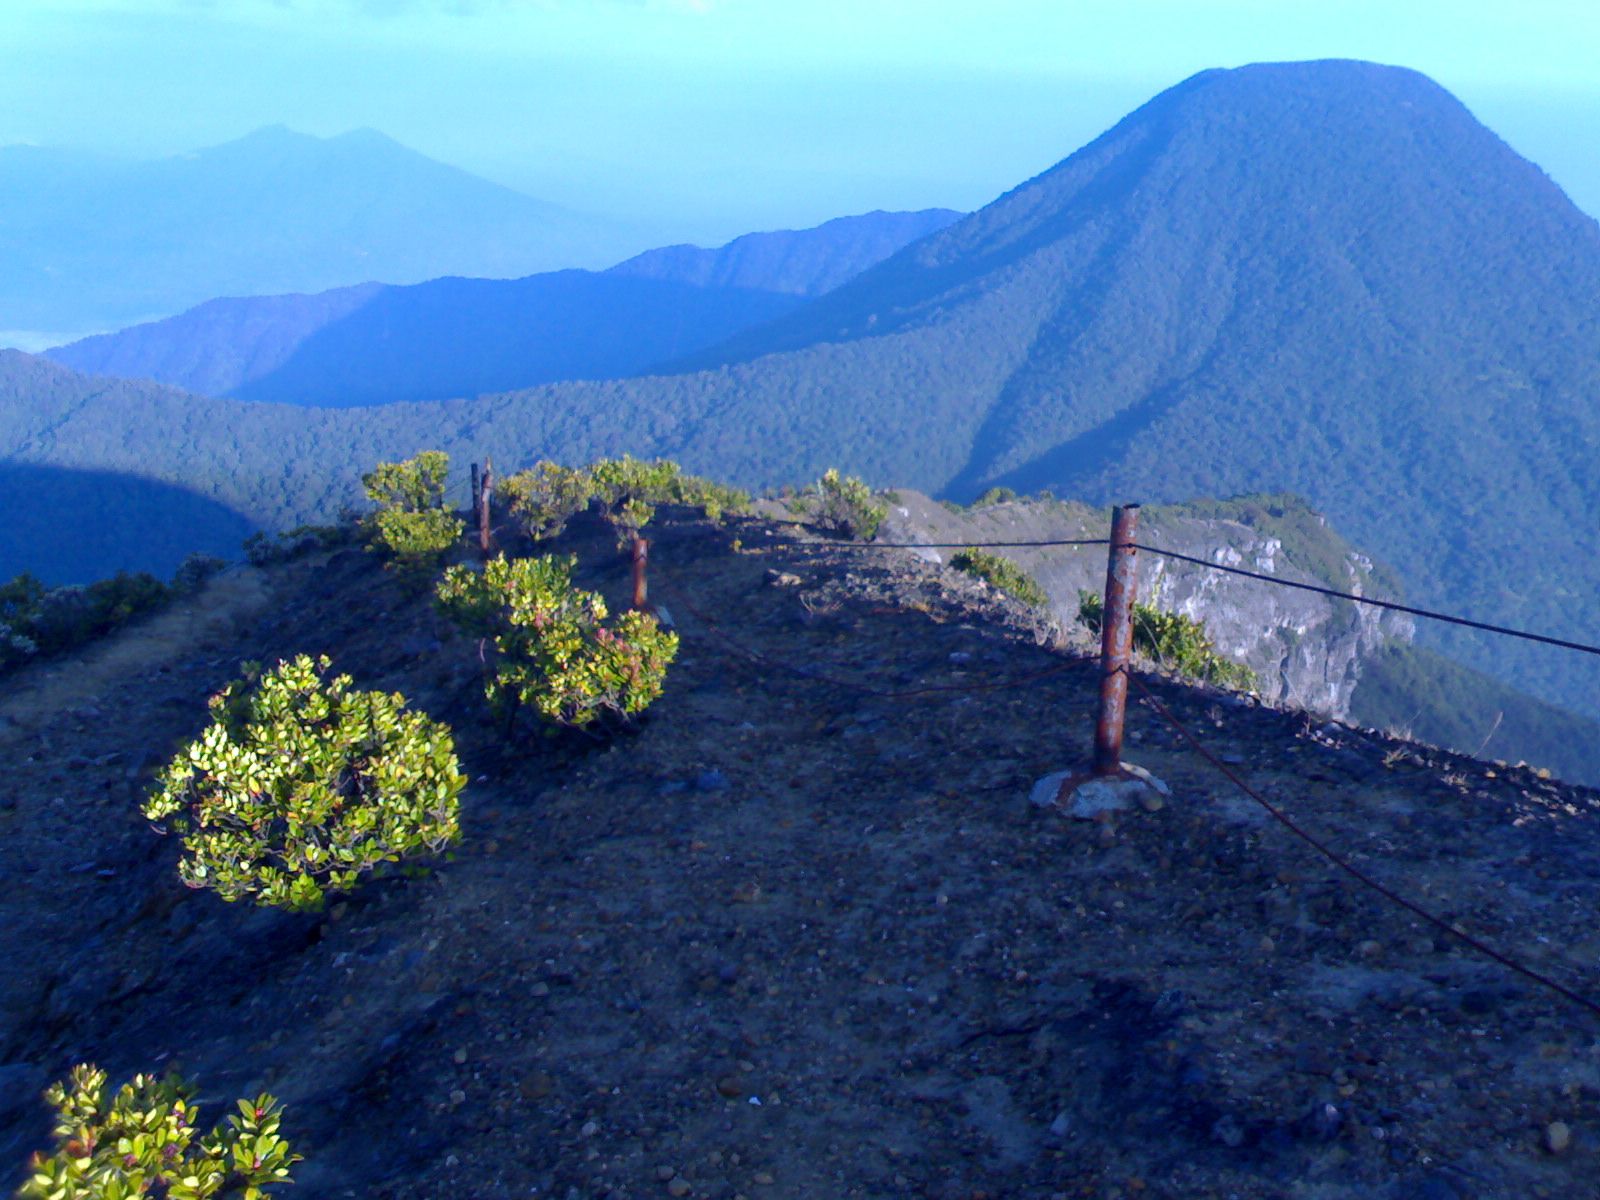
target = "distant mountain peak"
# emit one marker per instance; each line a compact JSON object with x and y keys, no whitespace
{"x":267,"y":135}
{"x":88,"y":243}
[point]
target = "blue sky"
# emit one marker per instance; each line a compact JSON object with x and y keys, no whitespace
{"x":702,"y":119}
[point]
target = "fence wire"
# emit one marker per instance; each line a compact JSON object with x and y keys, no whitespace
{"x":1350,"y":868}
{"x":766,"y":660}
{"x":1447,"y":618}
{"x":714,"y":630}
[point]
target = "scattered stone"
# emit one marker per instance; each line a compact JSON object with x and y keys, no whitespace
{"x":1088,"y":798}
{"x":1322,"y":1123}
{"x":1557,"y":1137}
{"x":536,"y":1086}
{"x":1227,"y":1130}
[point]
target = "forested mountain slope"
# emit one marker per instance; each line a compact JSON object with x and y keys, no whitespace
{"x":428,"y":341}
{"x":1321,"y":277}
{"x":806,"y":262}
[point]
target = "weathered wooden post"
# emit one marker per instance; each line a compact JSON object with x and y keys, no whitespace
{"x":641,"y":587}
{"x":485,"y":492}
{"x":1116,"y":639}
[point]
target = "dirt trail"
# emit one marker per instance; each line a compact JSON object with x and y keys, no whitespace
{"x":204,"y":621}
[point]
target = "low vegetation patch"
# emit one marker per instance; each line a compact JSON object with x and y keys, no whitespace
{"x":1174,"y":641}
{"x":303,"y":784}
{"x":262,"y":549}
{"x":143,"y":1140}
{"x":38,"y":621}
{"x":1002,"y":573}
{"x":553,"y":651}
{"x":547,"y":495}
{"x":844,"y":506}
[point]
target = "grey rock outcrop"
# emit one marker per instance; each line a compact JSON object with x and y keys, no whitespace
{"x":1307,"y":650}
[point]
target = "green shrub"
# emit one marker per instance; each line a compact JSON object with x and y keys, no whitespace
{"x":553,"y":652}
{"x":1002,"y":573}
{"x":545,"y":497}
{"x":995,"y":495}
{"x":193,"y":572}
{"x":629,"y":488}
{"x":127,"y":594}
{"x":843,"y":505}
{"x":301,"y":785}
{"x":714,"y":499}
{"x":417,"y":540}
{"x":1173,"y":640}
{"x":37,"y":621}
{"x":411,"y":522}
{"x":409,"y":486}
{"x":20,"y":601}
{"x":143,"y":1141}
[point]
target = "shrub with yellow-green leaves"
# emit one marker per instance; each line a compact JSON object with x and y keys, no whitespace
{"x":629,"y":489}
{"x":144,"y":1141}
{"x":553,"y":651}
{"x":844,"y":505}
{"x":302,"y":784}
{"x":411,"y":522}
{"x":1002,"y":573}
{"x":1173,"y":640}
{"x":547,"y":495}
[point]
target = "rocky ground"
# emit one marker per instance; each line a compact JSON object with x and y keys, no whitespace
{"x":803,"y":935}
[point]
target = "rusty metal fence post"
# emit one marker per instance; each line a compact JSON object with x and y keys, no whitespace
{"x":641,"y":587}
{"x":1116,"y":639}
{"x":485,"y":490}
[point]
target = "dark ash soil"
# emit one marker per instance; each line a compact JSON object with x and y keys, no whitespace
{"x":797,"y":939}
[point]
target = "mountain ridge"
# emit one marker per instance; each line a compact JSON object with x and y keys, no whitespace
{"x":1325,"y":278}
{"x":454,"y":337}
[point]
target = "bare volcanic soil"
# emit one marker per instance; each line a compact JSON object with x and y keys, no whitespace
{"x":798,"y":938}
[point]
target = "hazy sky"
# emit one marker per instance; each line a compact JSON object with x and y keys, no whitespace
{"x":701,"y":119}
